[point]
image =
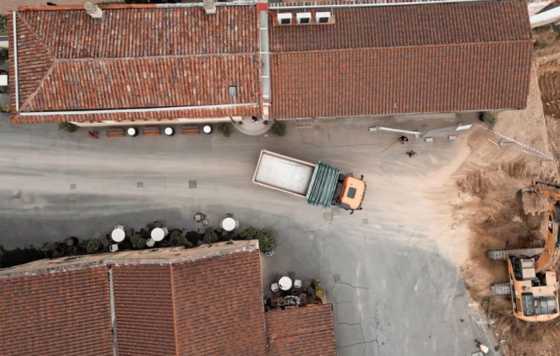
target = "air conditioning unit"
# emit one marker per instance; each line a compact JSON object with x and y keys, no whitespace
{"x":323,"y":17}
{"x":303,"y":18}
{"x":284,"y":18}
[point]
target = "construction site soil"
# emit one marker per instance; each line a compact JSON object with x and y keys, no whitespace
{"x":488,"y":202}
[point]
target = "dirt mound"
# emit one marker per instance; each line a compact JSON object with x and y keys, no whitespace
{"x":549,"y":82}
{"x":490,"y":201}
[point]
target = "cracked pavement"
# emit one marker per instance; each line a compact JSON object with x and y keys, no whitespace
{"x":394,"y":292}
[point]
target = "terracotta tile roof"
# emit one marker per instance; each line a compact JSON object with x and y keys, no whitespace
{"x":403,"y":59}
{"x":173,"y":301}
{"x":138,"y":57}
{"x":60,"y":313}
{"x":307,"y":331}
{"x":219,"y":306}
{"x":144,"y":310}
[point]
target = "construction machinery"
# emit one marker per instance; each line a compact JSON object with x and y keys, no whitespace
{"x":533,"y":282}
{"x":319,"y":183}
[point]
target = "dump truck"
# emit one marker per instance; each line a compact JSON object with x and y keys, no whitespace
{"x":319,"y":183}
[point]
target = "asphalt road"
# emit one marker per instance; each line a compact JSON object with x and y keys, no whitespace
{"x":393,"y":290}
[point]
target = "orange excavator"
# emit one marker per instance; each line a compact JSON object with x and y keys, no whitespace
{"x":533,"y":282}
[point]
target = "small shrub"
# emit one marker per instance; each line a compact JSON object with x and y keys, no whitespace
{"x":267,"y":243}
{"x":488,"y":118}
{"x":248,"y":233}
{"x":278,"y":128}
{"x":3,"y":54}
{"x":137,"y":241}
{"x":3,"y":25}
{"x":67,"y":126}
{"x":210,"y":236}
{"x":193,"y":238}
{"x":178,"y":238}
{"x":9,"y":258}
{"x":93,"y":246}
{"x":225,"y":128}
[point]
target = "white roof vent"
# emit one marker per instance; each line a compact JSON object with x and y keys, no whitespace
{"x":303,"y":18}
{"x":284,"y":18}
{"x":93,"y":10}
{"x":323,"y":17}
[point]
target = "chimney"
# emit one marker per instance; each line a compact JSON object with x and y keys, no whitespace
{"x":93,"y":10}
{"x":210,"y":7}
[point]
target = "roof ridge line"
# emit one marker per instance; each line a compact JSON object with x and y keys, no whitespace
{"x":30,"y":97}
{"x":52,"y":58}
{"x":201,"y":55}
{"x":39,"y":38}
{"x":173,"y":307}
{"x":402,"y":47}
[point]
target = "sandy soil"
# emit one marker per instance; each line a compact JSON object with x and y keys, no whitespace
{"x":486,"y":203}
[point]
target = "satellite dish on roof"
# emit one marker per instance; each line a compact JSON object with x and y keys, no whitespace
{"x":93,"y":10}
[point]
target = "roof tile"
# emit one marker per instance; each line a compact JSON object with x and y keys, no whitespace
{"x":63,"y":313}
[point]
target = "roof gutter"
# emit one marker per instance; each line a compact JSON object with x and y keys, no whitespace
{"x":139,"y":110}
{"x":264,"y":54}
{"x":113,"y":310}
{"x":14,"y":27}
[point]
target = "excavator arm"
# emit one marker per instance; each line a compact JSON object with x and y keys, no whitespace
{"x":547,"y":196}
{"x":551,"y":254}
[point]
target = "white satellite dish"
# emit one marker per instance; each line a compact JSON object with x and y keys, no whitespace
{"x":118,"y":234}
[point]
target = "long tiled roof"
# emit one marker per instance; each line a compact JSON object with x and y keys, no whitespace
{"x":54,"y":314}
{"x":177,"y":59}
{"x":144,"y":293}
{"x":403,"y":59}
{"x":147,"y":62}
{"x":203,"y":301}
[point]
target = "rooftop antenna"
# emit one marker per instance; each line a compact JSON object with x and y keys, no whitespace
{"x":93,"y":10}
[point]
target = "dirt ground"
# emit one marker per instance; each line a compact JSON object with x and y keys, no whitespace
{"x":488,"y":202}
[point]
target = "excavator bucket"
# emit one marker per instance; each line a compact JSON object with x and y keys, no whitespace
{"x":532,"y":202}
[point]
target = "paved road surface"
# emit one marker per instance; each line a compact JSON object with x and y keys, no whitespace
{"x":394,"y":293}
